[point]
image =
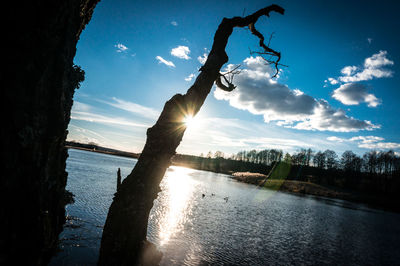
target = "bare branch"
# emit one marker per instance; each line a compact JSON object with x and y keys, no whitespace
{"x":222,"y":86}
{"x":245,"y":21}
{"x":250,"y":21}
{"x":266,"y":49}
{"x":231,"y":73}
{"x":269,"y":60}
{"x":228,"y":77}
{"x":270,"y":38}
{"x":268,"y":52}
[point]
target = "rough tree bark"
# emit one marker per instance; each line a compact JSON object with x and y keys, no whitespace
{"x":38,"y":82}
{"x":124,"y":235}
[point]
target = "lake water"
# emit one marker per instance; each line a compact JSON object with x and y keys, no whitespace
{"x":234,"y":224}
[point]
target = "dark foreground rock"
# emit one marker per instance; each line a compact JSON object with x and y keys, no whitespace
{"x":38,"y":84}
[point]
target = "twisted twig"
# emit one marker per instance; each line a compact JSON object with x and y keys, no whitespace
{"x":230,"y":75}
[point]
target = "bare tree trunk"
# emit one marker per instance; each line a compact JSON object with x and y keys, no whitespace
{"x":124,"y":235}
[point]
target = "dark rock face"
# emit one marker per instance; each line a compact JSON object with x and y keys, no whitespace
{"x":37,"y":90}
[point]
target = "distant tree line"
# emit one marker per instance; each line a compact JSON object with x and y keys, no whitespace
{"x":376,"y":173}
{"x":372,"y":162}
{"x":91,"y":146}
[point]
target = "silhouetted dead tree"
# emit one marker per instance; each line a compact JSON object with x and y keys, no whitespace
{"x":124,"y":236}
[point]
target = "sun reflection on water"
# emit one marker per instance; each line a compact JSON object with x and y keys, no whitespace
{"x":179,"y":187}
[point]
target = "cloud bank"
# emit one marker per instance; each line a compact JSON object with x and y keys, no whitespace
{"x":135,"y":108}
{"x":372,"y":68}
{"x":352,"y":93}
{"x":368,"y":142}
{"x":257,"y":93}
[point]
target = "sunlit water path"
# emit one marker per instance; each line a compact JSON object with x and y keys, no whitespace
{"x":233,"y":224}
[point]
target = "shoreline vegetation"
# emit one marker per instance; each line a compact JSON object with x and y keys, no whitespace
{"x":303,"y":188}
{"x":297,"y":179}
{"x":99,"y":149}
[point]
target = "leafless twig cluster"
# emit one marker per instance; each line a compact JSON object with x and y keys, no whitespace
{"x":271,"y":56}
{"x":228,"y":77}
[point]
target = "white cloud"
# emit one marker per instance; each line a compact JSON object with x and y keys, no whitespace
{"x":368,"y":142}
{"x":174,"y":23}
{"x":231,"y":135}
{"x":163,"y":61}
{"x":78,"y":106}
{"x":222,"y":123}
{"x":203,"y":58}
{"x":298,"y":92}
{"x":377,"y":60}
{"x":369,"y":40}
{"x":380,"y":145}
{"x":87,"y":132}
{"x":190,"y":77}
{"x":181,"y":52}
{"x":259,"y":94}
{"x":348,"y":70}
{"x":133,"y":108}
{"x":366,"y":139}
{"x":85,"y":112}
{"x":333,"y":81}
{"x":372,"y":68}
{"x":276,"y":143}
{"x":354,"y":94}
{"x":121,"y":48}
{"x":105,"y":138}
{"x":109,"y":128}
{"x":223,"y":139}
{"x":325,"y":117}
{"x":336,"y":139}
{"x":98,"y":118}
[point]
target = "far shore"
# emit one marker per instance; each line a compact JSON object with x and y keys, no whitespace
{"x":283,"y":185}
{"x":298,"y":187}
{"x":110,"y":152}
{"x":308,"y":188}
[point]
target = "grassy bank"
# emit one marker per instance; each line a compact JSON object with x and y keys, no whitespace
{"x":291,"y":185}
{"x":308,"y":188}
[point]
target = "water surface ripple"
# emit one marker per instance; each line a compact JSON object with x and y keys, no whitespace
{"x":233,"y":224}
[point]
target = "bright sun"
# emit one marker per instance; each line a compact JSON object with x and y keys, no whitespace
{"x":189,"y":121}
{"x":193,"y":123}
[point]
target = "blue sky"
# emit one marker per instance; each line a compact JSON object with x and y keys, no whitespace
{"x":338,"y":92}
